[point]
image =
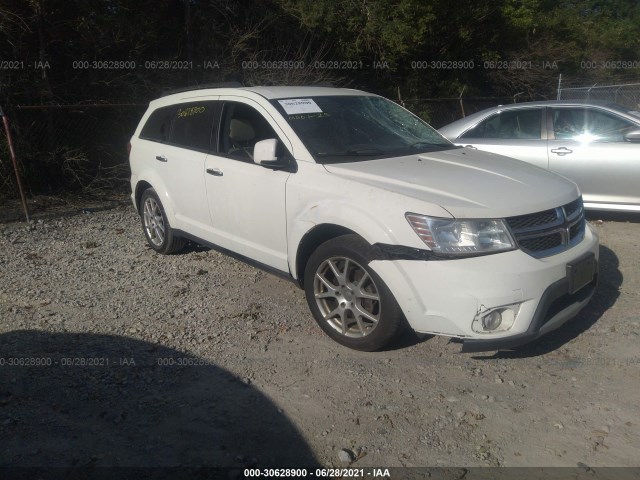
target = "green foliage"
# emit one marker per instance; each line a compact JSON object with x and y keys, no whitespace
{"x":231,"y":32}
{"x":410,"y":50}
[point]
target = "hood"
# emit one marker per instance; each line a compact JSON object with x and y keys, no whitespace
{"x":467,"y":183}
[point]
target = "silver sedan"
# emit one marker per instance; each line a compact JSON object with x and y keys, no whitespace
{"x":597,"y":145}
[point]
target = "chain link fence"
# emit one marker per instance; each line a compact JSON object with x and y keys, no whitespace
{"x":64,"y":148}
{"x":439,"y":112}
{"x":8,"y":183}
{"x":627,"y":94}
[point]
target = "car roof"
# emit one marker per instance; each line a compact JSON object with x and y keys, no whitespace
{"x":558,"y":102}
{"x":310,"y":91}
{"x":462,"y":124}
{"x":548,"y":103}
{"x":267,"y":92}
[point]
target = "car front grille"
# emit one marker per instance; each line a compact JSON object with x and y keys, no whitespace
{"x":551,"y":231}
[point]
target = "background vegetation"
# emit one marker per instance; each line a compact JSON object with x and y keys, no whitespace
{"x":63,"y":62}
{"x":547,"y":37}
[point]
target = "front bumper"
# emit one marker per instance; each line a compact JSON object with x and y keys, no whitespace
{"x":444,"y":296}
{"x":556,"y":307}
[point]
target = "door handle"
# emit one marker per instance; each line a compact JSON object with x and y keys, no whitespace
{"x":161,"y":158}
{"x":561,"y":151}
{"x":471,"y":147}
{"x":216,"y":172}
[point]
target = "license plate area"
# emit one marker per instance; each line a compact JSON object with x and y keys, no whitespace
{"x":581,"y":272}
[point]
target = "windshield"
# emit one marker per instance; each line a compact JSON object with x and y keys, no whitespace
{"x":623,"y":109}
{"x":338,"y":129}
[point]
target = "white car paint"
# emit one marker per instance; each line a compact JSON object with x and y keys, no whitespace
{"x":264,"y":214}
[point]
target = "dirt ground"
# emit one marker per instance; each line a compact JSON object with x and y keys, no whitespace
{"x":113,"y":355}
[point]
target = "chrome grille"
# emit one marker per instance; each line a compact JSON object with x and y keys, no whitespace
{"x":551,"y":231}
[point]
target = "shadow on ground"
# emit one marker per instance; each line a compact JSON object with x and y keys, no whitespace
{"x":408,"y":338}
{"x":132,"y":408}
{"x":609,"y":282}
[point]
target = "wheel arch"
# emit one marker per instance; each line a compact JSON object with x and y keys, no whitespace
{"x":311,"y":241}
{"x":152,"y":180}
{"x":141,"y":186}
{"x":323,"y":220}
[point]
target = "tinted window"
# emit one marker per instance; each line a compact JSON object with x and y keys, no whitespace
{"x":514,"y":124}
{"x":158,"y":125}
{"x":589,"y":125}
{"x":241,"y":128}
{"x":192,"y":125}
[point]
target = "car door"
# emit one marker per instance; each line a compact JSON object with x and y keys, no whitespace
{"x":587,"y":145}
{"x":514,"y":132}
{"x":180,"y":139}
{"x":247,"y":201}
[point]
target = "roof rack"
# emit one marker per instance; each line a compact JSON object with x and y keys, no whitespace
{"x":203,"y":86}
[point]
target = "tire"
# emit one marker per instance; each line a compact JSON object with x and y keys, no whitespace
{"x":159,"y":234}
{"x":348,"y":299}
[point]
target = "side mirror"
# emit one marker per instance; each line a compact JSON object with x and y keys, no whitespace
{"x":632,"y":136}
{"x":264,"y":153}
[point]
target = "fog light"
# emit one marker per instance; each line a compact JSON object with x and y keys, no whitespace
{"x":496,"y":319}
{"x":492,"y":320}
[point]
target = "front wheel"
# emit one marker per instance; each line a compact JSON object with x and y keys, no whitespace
{"x":348,"y":299}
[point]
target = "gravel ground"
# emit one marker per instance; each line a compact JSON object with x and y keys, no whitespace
{"x":198,"y":359}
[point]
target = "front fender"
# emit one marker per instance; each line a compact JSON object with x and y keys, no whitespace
{"x":335,"y":213}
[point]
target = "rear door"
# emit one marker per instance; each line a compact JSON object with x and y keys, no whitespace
{"x":587,"y":146}
{"x":183,"y":160}
{"x":177,"y":139}
{"x":516,"y":133}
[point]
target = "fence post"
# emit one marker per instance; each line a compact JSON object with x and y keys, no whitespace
{"x":400,"y":97}
{"x":5,"y":121}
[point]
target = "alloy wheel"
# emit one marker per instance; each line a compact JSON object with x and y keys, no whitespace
{"x":347,"y":297}
{"x":154,"y":221}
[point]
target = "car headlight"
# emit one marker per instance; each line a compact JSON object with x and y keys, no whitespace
{"x":462,"y":237}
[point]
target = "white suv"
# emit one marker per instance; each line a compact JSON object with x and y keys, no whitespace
{"x":380,"y":219}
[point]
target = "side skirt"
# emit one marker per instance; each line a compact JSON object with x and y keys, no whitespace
{"x":249,"y":261}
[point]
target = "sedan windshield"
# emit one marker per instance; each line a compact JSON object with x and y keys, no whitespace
{"x":338,"y":129}
{"x":620,"y":108}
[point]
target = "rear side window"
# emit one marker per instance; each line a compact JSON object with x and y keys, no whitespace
{"x":186,"y":125}
{"x":158,"y":126}
{"x":193,"y":125}
{"x":515,"y":124}
{"x":589,"y":125}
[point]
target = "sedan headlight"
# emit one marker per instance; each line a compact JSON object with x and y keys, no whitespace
{"x":462,"y":237}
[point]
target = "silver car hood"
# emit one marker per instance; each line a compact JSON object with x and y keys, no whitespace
{"x":467,"y":183}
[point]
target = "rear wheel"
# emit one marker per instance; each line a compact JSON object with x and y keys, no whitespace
{"x":159,"y":234}
{"x":348,"y":299}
